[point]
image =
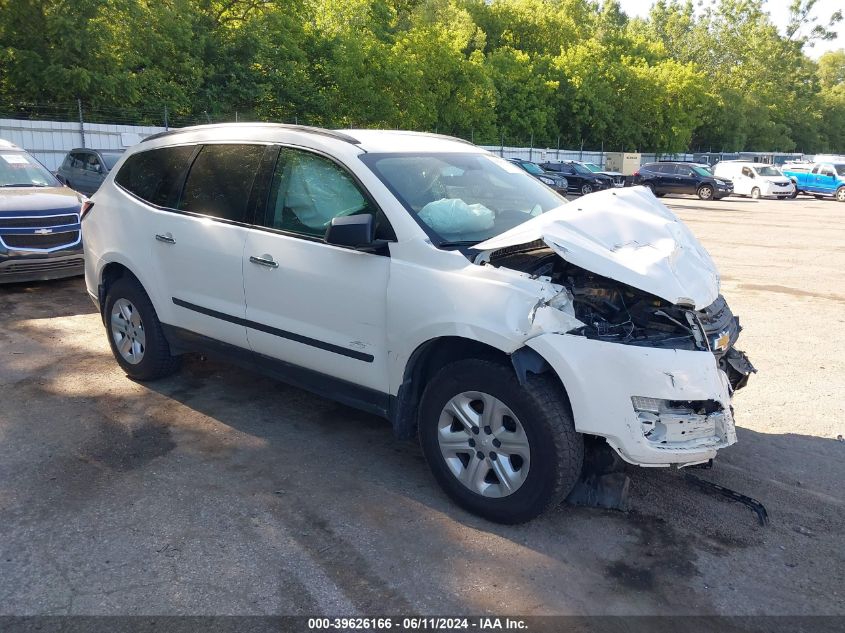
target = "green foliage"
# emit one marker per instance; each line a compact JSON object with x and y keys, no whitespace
{"x":572,"y":72}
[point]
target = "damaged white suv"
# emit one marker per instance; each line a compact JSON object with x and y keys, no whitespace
{"x":423,"y":279}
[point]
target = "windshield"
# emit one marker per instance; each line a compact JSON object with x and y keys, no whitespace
{"x":19,"y":169}
{"x":533,"y":168}
{"x":110,"y":159}
{"x":592,"y":167}
{"x":463,"y":198}
{"x":765,"y":170}
{"x":580,"y":169}
{"x":701,"y":171}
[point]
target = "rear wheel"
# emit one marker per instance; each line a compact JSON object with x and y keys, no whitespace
{"x":755,"y":193}
{"x":501,"y":450}
{"x":705,"y":192}
{"x":135,"y":333}
{"x":840,"y":194}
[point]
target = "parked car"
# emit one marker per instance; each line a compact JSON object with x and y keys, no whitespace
{"x":39,"y":221}
{"x":581,"y":180}
{"x":556,"y":181}
{"x":757,"y":180}
{"x":819,"y":179}
{"x":428,"y":281}
{"x":86,"y":169}
{"x":682,"y":178}
{"x":617,"y":179}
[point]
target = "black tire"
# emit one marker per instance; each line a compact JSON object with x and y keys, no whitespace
{"x":795,"y":191}
{"x":586,"y":189}
{"x":840,"y":194}
{"x":156,"y":360}
{"x":650,"y":187}
{"x":755,"y":193}
{"x":705,"y":192}
{"x":556,"y":450}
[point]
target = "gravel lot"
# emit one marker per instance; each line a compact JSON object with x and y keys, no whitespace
{"x":217,"y":491}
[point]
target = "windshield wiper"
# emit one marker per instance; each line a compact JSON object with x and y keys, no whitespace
{"x":460,"y":243}
{"x":23,"y":184}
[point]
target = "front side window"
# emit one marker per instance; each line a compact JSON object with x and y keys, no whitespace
{"x":220,"y":181}
{"x":463,"y":198}
{"x":154,"y":174}
{"x":19,"y":169}
{"x":308,"y":191}
{"x":93,"y":164}
{"x":827,"y":171}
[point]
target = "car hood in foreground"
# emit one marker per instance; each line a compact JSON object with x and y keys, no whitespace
{"x":28,"y":199}
{"x":626,"y":235}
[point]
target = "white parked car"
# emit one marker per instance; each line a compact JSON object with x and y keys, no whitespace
{"x":423,"y":279}
{"x":757,"y":180}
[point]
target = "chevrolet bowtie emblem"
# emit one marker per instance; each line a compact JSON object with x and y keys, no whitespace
{"x":723,"y":341}
{"x":44,"y":231}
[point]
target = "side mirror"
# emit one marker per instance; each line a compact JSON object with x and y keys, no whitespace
{"x":355,"y":231}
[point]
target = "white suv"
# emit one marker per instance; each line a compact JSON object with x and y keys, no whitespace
{"x":423,"y":279}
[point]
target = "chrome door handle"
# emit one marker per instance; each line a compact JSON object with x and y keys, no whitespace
{"x":264,"y":260}
{"x":167,"y":238}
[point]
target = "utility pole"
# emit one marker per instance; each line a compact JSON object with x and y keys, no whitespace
{"x":81,"y":121}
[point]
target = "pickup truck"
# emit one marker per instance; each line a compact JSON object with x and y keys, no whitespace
{"x":818,"y":179}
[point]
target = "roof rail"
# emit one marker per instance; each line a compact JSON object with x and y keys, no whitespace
{"x":340,"y":136}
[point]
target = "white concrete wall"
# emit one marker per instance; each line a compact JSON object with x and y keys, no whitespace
{"x":49,"y":141}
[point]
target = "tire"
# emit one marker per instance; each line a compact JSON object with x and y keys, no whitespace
{"x":755,"y":193}
{"x":586,"y":189}
{"x":705,"y":192}
{"x":840,"y":194}
{"x":130,"y":318}
{"x":794,"y":193}
{"x":650,"y":187}
{"x":534,"y":419}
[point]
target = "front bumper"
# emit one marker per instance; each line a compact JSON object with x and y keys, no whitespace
{"x":601,"y":379}
{"x":23,"y":266}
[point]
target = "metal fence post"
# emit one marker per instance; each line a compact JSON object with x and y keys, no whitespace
{"x":502,"y":146}
{"x":531,"y":149}
{"x":81,"y":121}
{"x":166,"y":122}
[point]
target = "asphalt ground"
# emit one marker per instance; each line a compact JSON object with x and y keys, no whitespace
{"x":217,"y":491}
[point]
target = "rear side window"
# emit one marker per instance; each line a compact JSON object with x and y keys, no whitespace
{"x":155,"y":174}
{"x":220,"y":181}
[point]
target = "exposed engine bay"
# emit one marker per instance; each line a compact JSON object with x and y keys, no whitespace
{"x":616,"y":312}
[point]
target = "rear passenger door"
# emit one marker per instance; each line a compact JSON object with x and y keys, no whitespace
{"x":315,"y":305}
{"x":197,"y":240}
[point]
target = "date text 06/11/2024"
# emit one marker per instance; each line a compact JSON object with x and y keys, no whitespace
{"x":481,"y":624}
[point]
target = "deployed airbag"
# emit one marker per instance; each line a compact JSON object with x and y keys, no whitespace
{"x":453,"y":215}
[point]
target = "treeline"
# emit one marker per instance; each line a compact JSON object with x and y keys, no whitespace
{"x":573,"y":72}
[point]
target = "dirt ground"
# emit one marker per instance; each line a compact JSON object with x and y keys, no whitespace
{"x":217,"y":491}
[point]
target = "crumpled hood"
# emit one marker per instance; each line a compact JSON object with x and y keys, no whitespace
{"x":626,"y":235}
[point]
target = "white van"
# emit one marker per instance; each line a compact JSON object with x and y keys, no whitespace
{"x":758,"y":180}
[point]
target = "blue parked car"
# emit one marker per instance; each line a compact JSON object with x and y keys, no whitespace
{"x":819,"y":179}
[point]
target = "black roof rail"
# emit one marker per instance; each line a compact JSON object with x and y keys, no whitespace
{"x":340,"y":136}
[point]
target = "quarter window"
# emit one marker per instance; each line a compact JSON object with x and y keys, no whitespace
{"x":154,"y":175}
{"x":308,"y":191}
{"x":220,"y":181}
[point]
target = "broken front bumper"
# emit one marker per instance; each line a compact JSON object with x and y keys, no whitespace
{"x":604,"y":381}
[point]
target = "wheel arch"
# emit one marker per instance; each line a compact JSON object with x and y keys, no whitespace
{"x":436,"y":353}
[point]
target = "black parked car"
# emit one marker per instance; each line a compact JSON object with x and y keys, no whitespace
{"x":581,"y":180}
{"x":85,"y":169}
{"x":682,"y":178}
{"x":556,"y":181}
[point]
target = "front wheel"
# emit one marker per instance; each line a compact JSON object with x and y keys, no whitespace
{"x":501,"y":450}
{"x":705,"y":192}
{"x":755,"y":193}
{"x":585,"y":189}
{"x":135,"y":333}
{"x":794,"y":193}
{"x":840,"y":194}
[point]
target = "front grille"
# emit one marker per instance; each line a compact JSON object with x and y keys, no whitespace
{"x":36,"y":223}
{"x":50,"y":240}
{"x":41,"y":266}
